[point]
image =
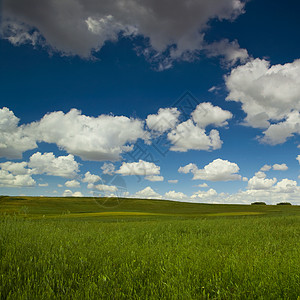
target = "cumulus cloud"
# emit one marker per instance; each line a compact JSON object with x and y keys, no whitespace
{"x":278,"y":167}
{"x":107,"y":137}
{"x":298,"y":158}
{"x":217,"y":170}
{"x":203,"y":185}
{"x":43,"y":184}
{"x":90,"y":178}
{"x":103,"y":138}
{"x":108,"y":168}
{"x":8,"y":179}
{"x":147,"y":193}
{"x":191,"y":134}
{"x":286,"y":186}
{"x":142,"y":168}
{"x":164,"y":120}
{"x":188,"y":136}
{"x":173,"y":30}
{"x":188,"y":168}
{"x":69,"y":193}
{"x":16,"y":168}
{"x":47,"y":163}
{"x":19,"y":174}
{"x":72,"y":184}
{"x":278,"y":133}
{"x":154,"y":178}
{"x":260,"y":182}
{"x":105,"y":188}
{"x":269,"y":96}
{"x":206,"y":114}
{"x":285,"y":190}
{"x":230,"y":51}
{"x":204,"y":195}
{"x":172,"y":195}
{"x":265,"y":168}
{"x":13,"y":139}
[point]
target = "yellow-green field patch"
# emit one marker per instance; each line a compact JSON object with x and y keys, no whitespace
{"x":239,"y":213}
{"x":99,"y":214}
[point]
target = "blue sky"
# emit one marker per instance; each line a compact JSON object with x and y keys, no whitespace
{"x":94,"y":96}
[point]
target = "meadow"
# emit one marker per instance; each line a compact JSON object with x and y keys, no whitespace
{"x":84,"y":248}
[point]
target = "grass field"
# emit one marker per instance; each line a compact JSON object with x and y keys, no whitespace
{"x":84,"y":248}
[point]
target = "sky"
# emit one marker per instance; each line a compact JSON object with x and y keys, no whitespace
{"x":192,"y":100}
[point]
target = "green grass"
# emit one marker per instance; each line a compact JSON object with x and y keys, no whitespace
{"x":145,"y":249}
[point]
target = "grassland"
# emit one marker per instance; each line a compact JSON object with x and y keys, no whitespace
{"x":73,"y":248}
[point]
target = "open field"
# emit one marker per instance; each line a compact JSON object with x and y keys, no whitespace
{"x":73,"y":248}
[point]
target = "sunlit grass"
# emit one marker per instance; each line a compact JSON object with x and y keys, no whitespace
{"x":216,"y":252}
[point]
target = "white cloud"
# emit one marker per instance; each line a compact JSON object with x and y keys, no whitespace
{"x":90,"y":178}
{"x":108,"y":168}
{"x":81,"y":27}
{"x":154,"y":178}
{"x":72,"y":184}
{"x":147,"y":193}
{"x":15,"y":175}
{"x":107,"y":137}
{"x":260,"y":182}
{"x":13,"y":139}
{"x":217,"y":170}
{"x":286,"y":186}
{"x":172,"y":195}
{"x":265,"y":168}
{"x":203,"y":185}
{"x":278,"y":133}
{"x":278,"y":167}
{"x":269,"y":96}
{"x":173,"y":181}
{"x":7,"y":179}
{"x":188,"y":168}
{"x":230,"y":51}
{"x":191,"y":134}
{"x":47,"y":163}
{"x":60,"y":185}
{"x":90,"y":185}
{"x":214,"y":89}
{"x":298,"y":158}
{"x":164,"y":120}
{"x":245,"y":179}
{"x":285,"y":190}
{"x":106,"y":188}
{"x":103,"y":138}
{"x":15,"y":168}
{"x":187,"y":136}
{"x":68,"y":193}
{"x":206,"y":114}
{"x":43,"y":184}
{"x":142,"y":168}
{"x":204,"y":195}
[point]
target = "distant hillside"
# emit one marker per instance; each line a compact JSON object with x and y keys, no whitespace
{"x":92,"y":207}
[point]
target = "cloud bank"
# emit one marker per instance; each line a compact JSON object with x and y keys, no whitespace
{"x":269,"y":95}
